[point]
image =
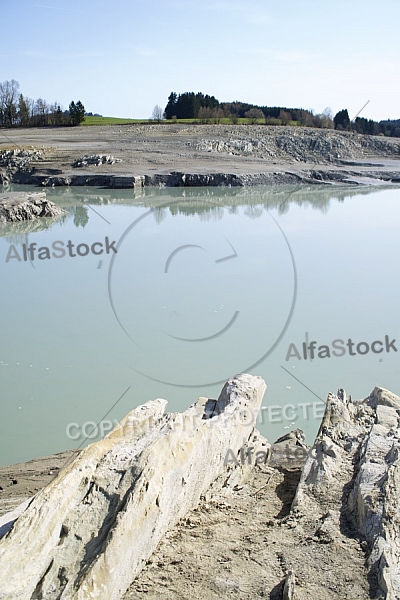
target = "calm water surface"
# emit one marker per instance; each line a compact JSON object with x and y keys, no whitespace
{"x":205,"y":283}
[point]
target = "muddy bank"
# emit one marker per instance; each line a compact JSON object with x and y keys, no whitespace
{"x":136,"y":156}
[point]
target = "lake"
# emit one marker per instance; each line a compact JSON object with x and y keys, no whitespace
{"x":169,"y":292}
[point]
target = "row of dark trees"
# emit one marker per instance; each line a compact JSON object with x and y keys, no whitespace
{"x":17,"y":110}
{"x":367,"y":126}
{"x":208,"y":109}
{"x":189,"y":105}
{"x":390,"y":128}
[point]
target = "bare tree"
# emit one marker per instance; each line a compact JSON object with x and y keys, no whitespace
{"x":255,"y":114}
{"x":9,"y":94}
{"x":285,"y":117}
{"x":42,"y":110}
{"x":218,"y":114}
{"x":56,"y":116}
{"x":327,"y":118}
{"x":205,"y":114}
{"x":306,"y":118}
{"x":31,"y":107}
{"x":157,"y":114}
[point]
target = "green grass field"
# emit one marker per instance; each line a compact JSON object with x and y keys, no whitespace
{"x":110,"y":121}
{"x":90,"y":121}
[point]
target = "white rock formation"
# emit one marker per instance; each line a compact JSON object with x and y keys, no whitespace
{"x":89,"y":532}
{"x":24,"y":206}
{"x":354,"y":465}
{"x":96,"y":160}
{"x":17,"y":159}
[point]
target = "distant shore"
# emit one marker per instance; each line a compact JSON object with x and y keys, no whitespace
{"x":134,"y":156}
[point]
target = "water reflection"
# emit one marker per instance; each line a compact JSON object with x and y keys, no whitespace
{"x":207,"y":203}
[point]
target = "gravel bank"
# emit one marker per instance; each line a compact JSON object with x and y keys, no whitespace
{"x":181,"y":155}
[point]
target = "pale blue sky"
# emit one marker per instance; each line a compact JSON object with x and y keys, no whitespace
{"x":122,"y":57}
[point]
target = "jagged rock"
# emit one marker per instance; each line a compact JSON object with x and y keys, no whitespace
{"x":301,"y":145}
{"x":89,"y":532}
{"x":17,"y":160}
{"x":346,"y":512}
{"x":355,"y":464}
{"x":109,"y":181}
{"x":53,"y":181}
{"x":327,"y":531}
{"x":23,"y":206}
{"x":289,"y":587}
{"x":96,"y":160}
{"x":383,"y":397}
{"x":290,"y":450}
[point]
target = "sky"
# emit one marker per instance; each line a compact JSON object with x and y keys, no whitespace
{"x":121,"y":57}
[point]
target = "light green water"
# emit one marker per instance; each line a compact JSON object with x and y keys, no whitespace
{"x":206,"y":283}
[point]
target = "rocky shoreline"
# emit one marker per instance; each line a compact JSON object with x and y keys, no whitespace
{"x":191,"y":156}
{"x":177,"y":179}
{"x":21,"y":206}
{"x":156,"y":508}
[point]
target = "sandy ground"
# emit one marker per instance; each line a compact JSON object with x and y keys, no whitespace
{"x":239,"y":544}
{"x":242,"y":547}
